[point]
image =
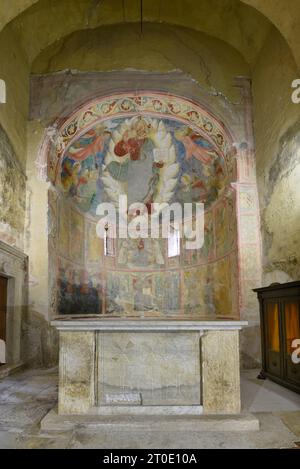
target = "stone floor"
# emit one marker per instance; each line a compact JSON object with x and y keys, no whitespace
{"x":26,"y":397}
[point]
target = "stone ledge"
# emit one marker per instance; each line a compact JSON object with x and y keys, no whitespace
{"x":53,"y":422}
{"x":146,"y":325}
{"x":147,"y":410}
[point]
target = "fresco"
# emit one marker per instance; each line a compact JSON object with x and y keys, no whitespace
{"x":232,"y":222}
{"x":198,"y":292}
{"x":64,"y":229}
{"x":94,"y":245}
{"x":222,"y":228}
{"x":92,"y":119}
{"x":150,"y":160}
{"x":207,"y":252}
{"x":171,"y":151}
{"x":144,"y":253}
{"x":12,"y":194}
{"x":76,"y":236}
{"x":225,"y":283}
{"x":142,"y":294}
{"x":78,"y":293}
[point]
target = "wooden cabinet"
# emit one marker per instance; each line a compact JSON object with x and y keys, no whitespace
{"x":280,"y":326}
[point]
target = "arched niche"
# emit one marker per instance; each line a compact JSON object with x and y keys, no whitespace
{"x":155,"y":147}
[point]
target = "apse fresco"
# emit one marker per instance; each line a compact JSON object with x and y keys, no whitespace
{"x":79,"y":293}
{"x":141,"y":253}
{"x":150,"y":160}
{"x":173,"y":155}
{"x":143,"y":294}
{"x":198,"y":291}
{"x":94,"y":245}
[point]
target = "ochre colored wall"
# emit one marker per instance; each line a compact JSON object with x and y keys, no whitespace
{"x":228,"y":20}
{"x":285,"y":15}
{"x":14,"y":70}
{"x":10,"y":9}
{"x":161,"y":48}
{"x":12,"y":194}
{"x":277,"y":133}
{"x":40,"y":339}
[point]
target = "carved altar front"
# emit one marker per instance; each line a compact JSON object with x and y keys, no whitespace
{"x":151,"y":367}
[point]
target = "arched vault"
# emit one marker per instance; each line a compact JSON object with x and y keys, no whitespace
{"x":233,"y":21}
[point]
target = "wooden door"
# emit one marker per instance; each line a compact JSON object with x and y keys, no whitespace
{"x":3,"y":306}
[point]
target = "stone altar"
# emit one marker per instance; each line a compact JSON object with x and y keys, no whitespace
{"x":152,"y":367}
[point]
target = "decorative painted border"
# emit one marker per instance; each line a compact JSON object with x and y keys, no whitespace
{"x":126,"y":104}
{"x":63,"y":133}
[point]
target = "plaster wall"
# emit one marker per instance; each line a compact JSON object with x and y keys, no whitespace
{"x":12,"y":194}
{"x":277,"y":134}
{"x":41,"y":340}
{"x":161,"y":48}
{"x":284,"y":15}
{"x":228,"y":20}
{"x":14,"y":70}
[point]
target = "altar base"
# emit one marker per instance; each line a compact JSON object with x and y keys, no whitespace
{"x":150,"y":367}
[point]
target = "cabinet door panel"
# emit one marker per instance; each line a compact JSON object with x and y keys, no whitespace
{"x":272,"y":337}
{"x":291,"y":332}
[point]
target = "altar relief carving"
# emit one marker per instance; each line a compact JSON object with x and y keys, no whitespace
{"x":161,"y":368}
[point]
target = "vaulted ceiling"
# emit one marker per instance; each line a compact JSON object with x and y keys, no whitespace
{"x":243,"y":24}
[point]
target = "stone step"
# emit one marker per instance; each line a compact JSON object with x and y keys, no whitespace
{"x":53,"y":422}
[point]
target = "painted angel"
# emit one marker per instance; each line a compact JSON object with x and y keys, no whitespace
{"x":195,"y":145}
{"x":91,"y":143}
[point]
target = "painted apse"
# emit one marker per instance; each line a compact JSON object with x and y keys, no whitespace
{"x":152,"y":147}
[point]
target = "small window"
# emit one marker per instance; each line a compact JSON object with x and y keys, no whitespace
{"x":174,"y":242}
{"x":109,"y":245}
